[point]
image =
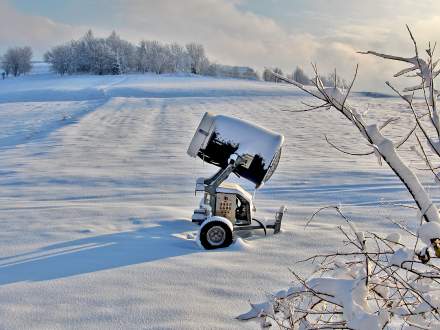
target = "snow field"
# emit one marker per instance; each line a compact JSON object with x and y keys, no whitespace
{"x":97,"y":193}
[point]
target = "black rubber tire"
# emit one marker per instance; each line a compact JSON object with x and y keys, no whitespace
{"x":204,"y":235}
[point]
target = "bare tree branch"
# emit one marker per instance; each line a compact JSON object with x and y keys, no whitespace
{"x":347,"y":152}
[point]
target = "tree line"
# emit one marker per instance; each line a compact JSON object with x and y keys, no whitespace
{"x":301,"y":77}
{"x":114,"y":55}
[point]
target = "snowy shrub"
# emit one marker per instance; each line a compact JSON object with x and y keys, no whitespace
{"x":375,"y":281}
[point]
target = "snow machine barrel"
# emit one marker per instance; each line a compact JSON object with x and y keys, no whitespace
{"x":219,"y":137}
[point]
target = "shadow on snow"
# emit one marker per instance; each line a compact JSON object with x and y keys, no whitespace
{"x":98,"y":253}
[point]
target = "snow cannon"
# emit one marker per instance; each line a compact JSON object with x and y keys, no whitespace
{"x":219,"y":137}
{"x":247,"y":150}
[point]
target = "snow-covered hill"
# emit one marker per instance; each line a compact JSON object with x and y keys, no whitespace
{"x":96,"y":193}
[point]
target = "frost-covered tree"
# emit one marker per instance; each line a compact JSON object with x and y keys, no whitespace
{"x":198,"y":60}
{"x":180,"y":60}
{"x":17,"y":61}
{"x":376,"y":281}
{"x":300,"y":76}
{"x":334,"y":80}
{"x":62,"y":59}
{"x":142,"y":57}
{"x":158,"y":57}
{"x":85,"y":49}
{"x":268,"y":75}
{"x":329,"y":80}
{"x":103,"y":61}
{"x":277,"y":72}
{"x":122,"y":54}
{"x":152,"y":56}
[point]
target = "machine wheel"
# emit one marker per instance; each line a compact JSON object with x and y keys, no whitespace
{"x":215,"y":234}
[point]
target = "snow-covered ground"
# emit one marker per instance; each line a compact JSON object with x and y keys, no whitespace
{"x":96,"y":193}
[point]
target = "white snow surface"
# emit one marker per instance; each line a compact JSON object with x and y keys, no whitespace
{"x":428,"y":231}
{"x":97,"y":192}
{"x":401,"y":256}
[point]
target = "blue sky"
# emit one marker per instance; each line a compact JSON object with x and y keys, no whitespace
{"x":68,"y":11}
{"x":257,"y":33}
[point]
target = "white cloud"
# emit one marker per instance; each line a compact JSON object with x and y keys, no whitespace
{"x":238,"y":37}
{"x":230,"y":35}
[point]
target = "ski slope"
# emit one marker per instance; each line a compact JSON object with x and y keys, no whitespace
{"x":97,"y":192}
